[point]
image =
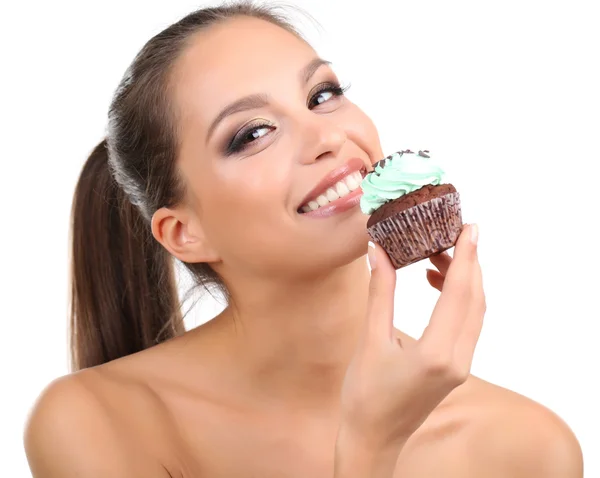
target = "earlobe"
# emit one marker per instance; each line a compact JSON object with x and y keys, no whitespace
{"x":183,"y":238}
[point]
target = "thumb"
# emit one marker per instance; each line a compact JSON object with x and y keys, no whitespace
{"x":380,"y":310}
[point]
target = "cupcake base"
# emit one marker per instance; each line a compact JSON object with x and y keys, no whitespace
{"x":411,"y":234}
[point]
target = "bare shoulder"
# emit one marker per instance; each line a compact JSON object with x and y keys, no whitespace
{"x":517,"y":437}
{"x":74,"y":430}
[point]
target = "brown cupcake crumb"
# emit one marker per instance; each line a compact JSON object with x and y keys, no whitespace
{"x":409,"y":200}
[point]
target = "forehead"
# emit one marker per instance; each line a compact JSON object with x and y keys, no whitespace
{"x":234,"y":58}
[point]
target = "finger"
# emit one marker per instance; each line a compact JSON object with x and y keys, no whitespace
{"x":469,"y":336}
{"x":441,"y":262}
{"x":452,"y":307}
{"x":380,"y":311}
{"x":466,"y":246}
{"x":435,"y":279}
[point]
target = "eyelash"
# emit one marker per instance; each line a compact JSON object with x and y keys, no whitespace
{"x":238,"y":144}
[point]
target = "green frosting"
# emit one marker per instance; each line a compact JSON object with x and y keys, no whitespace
{"x":399,"y":174}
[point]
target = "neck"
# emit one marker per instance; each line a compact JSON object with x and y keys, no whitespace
{"x":293,"y":342}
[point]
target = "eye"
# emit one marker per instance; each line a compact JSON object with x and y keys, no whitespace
{"x":256,"y":133}
{"x":325,"y":92}
{"x":250,"y":134}
{"x":324,"y":96}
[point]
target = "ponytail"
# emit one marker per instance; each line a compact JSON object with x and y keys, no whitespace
{"x":123,"y":293}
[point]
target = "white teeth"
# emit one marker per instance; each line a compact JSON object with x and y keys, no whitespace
{"x":331,"y":195}
{"x":322,"y":200}
{"x":351,"y":182}
{"x":341,"y":189}
{"x":313,"y":205}
{"x":338,"y":190}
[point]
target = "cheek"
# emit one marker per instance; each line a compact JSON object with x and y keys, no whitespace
{"x":244,"y":208}
{"x":362,"y":131}
{"x":249,"y":189}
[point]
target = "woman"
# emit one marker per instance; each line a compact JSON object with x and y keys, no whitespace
{"x":212,"y":149}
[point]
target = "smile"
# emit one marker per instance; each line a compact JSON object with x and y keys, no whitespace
{"x":339,"y":190}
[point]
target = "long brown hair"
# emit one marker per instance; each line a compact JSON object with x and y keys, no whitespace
{"x":123,"y":292}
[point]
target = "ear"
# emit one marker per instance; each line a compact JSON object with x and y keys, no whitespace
{"x":182,"y":236}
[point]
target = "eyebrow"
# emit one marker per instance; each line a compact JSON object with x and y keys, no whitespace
{"x":256,"y":101}
{"x":309,"y":70}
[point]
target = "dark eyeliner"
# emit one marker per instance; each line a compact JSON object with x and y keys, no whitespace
{"x":237,"y":143}
{"x":336,"y":88}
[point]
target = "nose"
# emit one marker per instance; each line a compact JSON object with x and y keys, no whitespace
{"x":321,"y":137}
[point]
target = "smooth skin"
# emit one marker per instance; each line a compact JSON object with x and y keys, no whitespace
{"x":303,"y":374}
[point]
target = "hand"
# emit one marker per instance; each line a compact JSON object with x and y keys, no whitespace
{"x":391,"y":388}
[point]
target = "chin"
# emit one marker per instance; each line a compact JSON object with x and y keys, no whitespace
{"x":326,"y":244}
{"x":348,"y":242}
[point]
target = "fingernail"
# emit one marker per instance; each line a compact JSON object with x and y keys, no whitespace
{"x":474,"y":234}
{"x":371,"y":256}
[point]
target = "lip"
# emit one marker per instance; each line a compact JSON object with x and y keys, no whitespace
{"x":351,"y":166}
{"x":338,"y":206}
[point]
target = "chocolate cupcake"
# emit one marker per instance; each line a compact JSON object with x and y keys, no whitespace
{"x":414,"y":215}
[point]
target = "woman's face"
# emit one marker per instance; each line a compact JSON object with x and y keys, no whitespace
{"x":263,"y":122}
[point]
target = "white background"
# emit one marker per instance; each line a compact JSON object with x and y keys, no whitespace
{"x":504,"y":94}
